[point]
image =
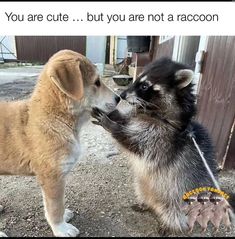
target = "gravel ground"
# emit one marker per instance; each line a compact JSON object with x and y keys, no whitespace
{"x":99,"y":189}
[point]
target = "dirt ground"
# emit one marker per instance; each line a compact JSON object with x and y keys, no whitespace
{"x":99,"y":189}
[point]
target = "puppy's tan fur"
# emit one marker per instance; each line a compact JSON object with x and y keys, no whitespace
{"x":39,"y":136}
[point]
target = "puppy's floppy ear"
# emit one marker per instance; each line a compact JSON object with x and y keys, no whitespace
{"x":184,"y":77}
{"x":66,"y":75}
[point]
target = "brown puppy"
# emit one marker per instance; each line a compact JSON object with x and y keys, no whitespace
{"x":40,"y":136}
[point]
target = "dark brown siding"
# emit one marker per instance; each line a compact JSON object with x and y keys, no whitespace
{"x":163,"y":49}
{"x":40,"y":48}
{"x":217,"y":92}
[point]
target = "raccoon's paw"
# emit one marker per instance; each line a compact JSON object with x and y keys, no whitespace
{"x":140,"y":207}
{"x":98,"y":114}
{"x":102,"y":119}
{"x":164,"y":231}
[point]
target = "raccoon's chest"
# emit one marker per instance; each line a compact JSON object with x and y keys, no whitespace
{"x":145,"y":181}
{"x":144,"y":171}
{"x":151,"y":177}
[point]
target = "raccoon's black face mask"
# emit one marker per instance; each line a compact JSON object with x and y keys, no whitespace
{"x":164,"y":86}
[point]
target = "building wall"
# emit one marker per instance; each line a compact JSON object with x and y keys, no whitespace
{"x":164,"y":49}
{"x":41,"y":48}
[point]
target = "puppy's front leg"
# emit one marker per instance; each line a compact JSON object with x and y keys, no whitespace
{"x":53,"y":197}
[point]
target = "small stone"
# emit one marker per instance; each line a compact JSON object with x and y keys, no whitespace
{"x":1,"y":208}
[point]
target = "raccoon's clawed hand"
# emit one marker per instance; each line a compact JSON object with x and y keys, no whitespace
{"x":98,"y":114}
{"x":102,"y":119}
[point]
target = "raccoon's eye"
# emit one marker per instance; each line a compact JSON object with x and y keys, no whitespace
{"x":97,"y":83}
{"x":144,"y":86}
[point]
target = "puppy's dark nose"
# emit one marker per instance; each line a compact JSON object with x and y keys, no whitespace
{"x":123,"y":95}
{"x":117,"y":98}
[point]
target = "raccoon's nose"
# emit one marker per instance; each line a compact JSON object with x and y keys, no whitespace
{"x":123,"y":95}
{"x":117,"y":98}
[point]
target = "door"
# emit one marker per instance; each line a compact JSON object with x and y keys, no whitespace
{"x":163,"y":47}
{"x":121,"y":48}
{"x":216,"y":100}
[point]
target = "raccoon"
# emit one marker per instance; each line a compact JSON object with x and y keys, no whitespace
{"x":164,"y":160}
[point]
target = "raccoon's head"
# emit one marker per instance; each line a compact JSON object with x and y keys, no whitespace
{"x":164,"y":87}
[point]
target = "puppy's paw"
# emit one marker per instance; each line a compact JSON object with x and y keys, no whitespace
{"x":65,"y":229}
{"x":68,"y":215}
{"x":2,"y":234}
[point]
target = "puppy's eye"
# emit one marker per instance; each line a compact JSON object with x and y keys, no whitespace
{"x":144,"y":86}
{"x":97,"y":83}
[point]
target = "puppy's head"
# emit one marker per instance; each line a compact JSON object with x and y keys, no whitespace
{"x":76,"y":77}
{"x":165,"y":87}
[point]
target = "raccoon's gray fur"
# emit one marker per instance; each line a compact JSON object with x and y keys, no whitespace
{"x":164,"y":159}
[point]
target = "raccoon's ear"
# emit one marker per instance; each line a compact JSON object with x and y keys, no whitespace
{"x":184,"y":77}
